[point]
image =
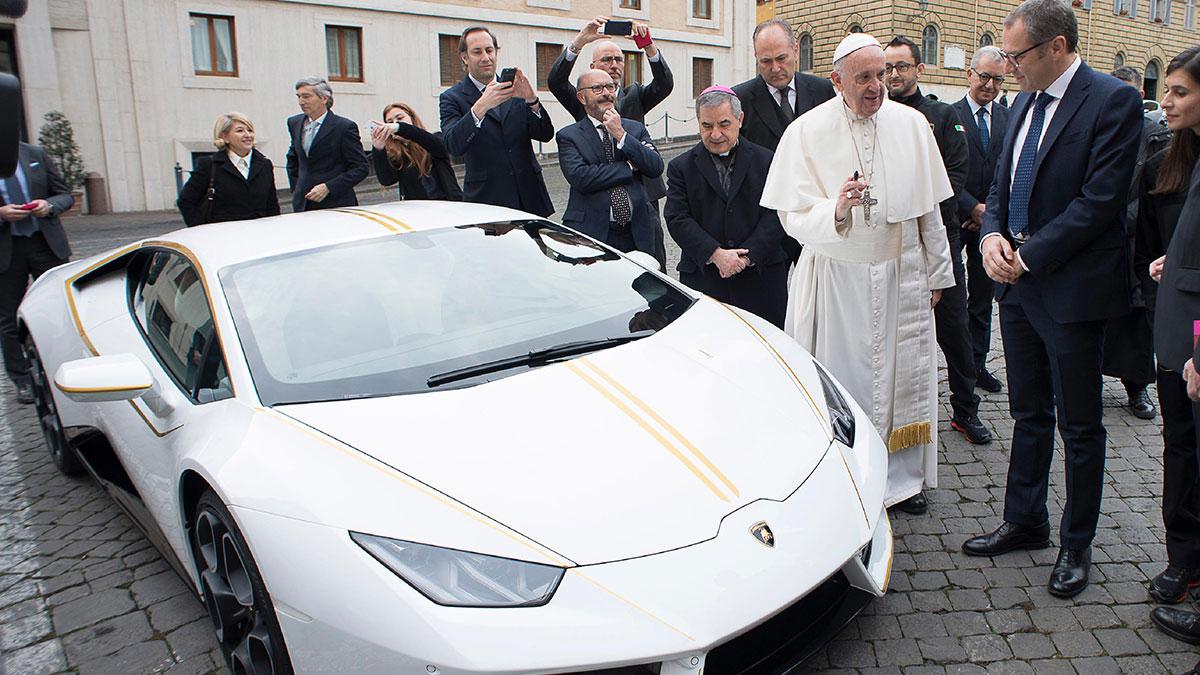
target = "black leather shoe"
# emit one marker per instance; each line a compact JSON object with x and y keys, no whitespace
{"x":1141,"y":406}
{"x":1008,"y":537}
{"x":1171,"y":586}
{"x":24,"y":392}
{"x":915,"y":505}
{"x":1070,"y":574}
{"x":987,"y":382}
{"x":972,"y":428}
{"x":1178,"y":623}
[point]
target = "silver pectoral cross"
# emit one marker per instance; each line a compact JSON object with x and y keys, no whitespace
{"x":867,"y":202}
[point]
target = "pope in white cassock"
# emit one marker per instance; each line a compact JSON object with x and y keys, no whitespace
{"x":857,"y":180}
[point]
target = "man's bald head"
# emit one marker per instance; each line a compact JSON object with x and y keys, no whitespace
{"x":776,"y":53}
{"x":607,"y":56}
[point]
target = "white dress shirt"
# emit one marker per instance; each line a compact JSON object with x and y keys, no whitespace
{"x":481,"y":86}
{"x":987,"y":113}
{"x":791,"y":90}
{"x":242,"y":164}
{"x":315,"y":127}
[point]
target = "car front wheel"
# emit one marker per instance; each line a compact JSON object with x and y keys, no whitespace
{"x":234,"y":593}
{"x":61,"y":452}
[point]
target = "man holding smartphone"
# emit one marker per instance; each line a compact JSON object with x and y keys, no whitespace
{"x":633,"y":102}
{"x":32,"y":241}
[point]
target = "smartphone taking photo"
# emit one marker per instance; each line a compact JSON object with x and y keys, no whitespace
{"x":618,"y":27}
{"x":507,"y":75}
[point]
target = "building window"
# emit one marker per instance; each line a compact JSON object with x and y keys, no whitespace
{"x":214,"y":45}
{"x":1150,"y":82}
{"x":547,"y":54}
{"x":1189,"y":17}
{"x":633,"y":69}
{"x":702,"y":9}
{"x":806,"y":53}
{"x":986,"y":40}
{"x":855,"y":28}
{"x":1119,"y":60}
{"x":1160,"y":10}
{"x":450,"y":66}
{"x":343,"y":48}
{"x":701,"y":75}
{"x":1125,"y":7}
{"x":929,"y":44}
{"x":635,"y":5}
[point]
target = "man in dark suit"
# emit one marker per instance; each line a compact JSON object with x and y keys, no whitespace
{"x":633,"y":102}
{"x":326,"y":159}
{"x":604,"y":158}
{"x":1053,"y":238}
{"x":32,"y":241}
{"x":731,"y":246}
{"x":985,"y":122}
{"x":779,"y":94}
{"x":492,"y":126}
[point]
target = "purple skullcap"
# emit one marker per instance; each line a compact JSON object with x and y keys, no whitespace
{"x":717,"y":87}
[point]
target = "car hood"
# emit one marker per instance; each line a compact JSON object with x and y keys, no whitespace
{"x":622,"y":453}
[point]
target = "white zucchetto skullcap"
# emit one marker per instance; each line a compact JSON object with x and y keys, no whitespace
{"x":852,"y":43}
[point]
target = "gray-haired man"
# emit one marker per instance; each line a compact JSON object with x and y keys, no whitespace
{"x":326,"y":159}
{"x":731,"y":246}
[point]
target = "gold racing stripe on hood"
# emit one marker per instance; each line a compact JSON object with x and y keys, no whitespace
{"x":393,"y":224}
{"x":662,"y":423}
{"x":646,"y":426}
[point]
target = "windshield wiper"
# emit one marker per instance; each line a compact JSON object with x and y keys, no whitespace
{"x":535,"y":357}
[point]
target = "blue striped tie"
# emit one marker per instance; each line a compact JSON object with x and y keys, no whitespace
{"x":985,"y":136}
{"x":1022,"y":184}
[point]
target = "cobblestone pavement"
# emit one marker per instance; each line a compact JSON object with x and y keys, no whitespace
{"x":81,"y":590}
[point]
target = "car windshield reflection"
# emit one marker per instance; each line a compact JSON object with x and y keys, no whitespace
{"x":393,"y":315}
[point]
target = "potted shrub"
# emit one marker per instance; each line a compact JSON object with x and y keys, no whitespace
{"x":58,"y":140}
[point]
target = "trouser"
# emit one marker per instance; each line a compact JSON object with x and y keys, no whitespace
{"x":980,"y":291}
{"x":31,"y":257}
{"x":660,"y":242}
{"x":621,"y":238}
{"x":1181,"y":470}
{"x":1053,"y":368}
{"x":954,"y":338}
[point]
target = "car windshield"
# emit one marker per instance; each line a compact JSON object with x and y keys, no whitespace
{"x":436,"y":309}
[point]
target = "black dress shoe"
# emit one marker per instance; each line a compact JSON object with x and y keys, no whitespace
{"x":1008,"y":537}
{"x":1070,"y":574}
{"x":24,"y":392}
{"x":1141,"y":406}
{"x":972,"y":428}
{"x":915,"y":505}
{"x":1171,"y":585}
{"x":987,"y":382}
{"x":1178,"y":623}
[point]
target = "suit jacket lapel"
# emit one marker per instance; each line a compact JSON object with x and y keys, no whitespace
{"x":739,"y":174}
{"x":592,"y":139}
{"x":222,"y":159}
{"x":767,"y":108}
{"x":972,"y":126}
{"x":999,"y":130}
{"x":1077,"y":93}
{"x":803,"y":97}
{"x":323,"y":131}
{"x":704,"y":165}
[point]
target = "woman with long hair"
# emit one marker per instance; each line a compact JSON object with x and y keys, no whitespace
{"x":1168,"y":233}
{"x":237,"y":182}
{"x":408,"y":155}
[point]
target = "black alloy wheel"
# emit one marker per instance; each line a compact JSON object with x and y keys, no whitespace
{"x":61,"y":452}
{"x":234,"y":593}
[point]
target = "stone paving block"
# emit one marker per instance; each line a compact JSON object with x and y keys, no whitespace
{"x":1139,"y":665}
{"x":143,"y":657}
{"x":1121,"y":642}
{"x":107,"y":637}
{"x":1076,"y":643}
{"x":174,"y":612}
{"x":922,"y":626}
{"x":986,"y":648}
{"x":1053,"y":667}
{"x":965,"y":623}
{"x":1007,"y":621}
{"x":161,"y":586}
{"x":1031,"y":646}
{"x":851,"y":654}
{"x":1099,"y":665}
{"x":41,"y":658}
{"x":901,"y":652}
{"x":1009,"y":668}
{"x":965,"y":669}
{"x":189,"y":640}
{"x":90,"y":609}
{"x":25,"y":631}
{"x":942,"y":649}
{"x":1096,"y":616}
{"x":1054,"y":619}
{"x":1178,"y":662}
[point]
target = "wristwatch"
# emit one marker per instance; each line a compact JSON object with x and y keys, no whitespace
{"x":571,"y":48}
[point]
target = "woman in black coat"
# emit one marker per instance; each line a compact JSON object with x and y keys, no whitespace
{"x":408,"y":155}
{"x":236,"y":182}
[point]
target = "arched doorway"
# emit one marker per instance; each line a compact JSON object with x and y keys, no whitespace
{"x":1150,"y":82}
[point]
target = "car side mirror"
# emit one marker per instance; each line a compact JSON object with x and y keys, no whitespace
{"x":119,"y":377}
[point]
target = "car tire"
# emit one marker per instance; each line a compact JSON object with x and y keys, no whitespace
{"x":61,"y":452}
{"x":234,"y":594}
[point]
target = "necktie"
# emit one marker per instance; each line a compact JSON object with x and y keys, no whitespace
{"x":985,"y":136}
{"x":785,"y":106}
{"x":16,"y":196}
{"x":310,"y":132}
{"x":1022,"y":184}
{"x":243,"y":167}
{"x":622,"y":209}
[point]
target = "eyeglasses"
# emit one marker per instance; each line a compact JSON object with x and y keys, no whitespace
{"x":610,"y":59}
{"x":988,"y":77}
{"x":901,"y":67}
{"x":598,"y":89}
{"x":1016,"y":58}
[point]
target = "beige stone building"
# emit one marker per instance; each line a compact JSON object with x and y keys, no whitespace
{"x":142,"y":80}
{"x":1145,"y":34}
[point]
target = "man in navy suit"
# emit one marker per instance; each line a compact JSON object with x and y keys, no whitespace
{"x":732,"y":247}
{"x":985,"y":121}
{"x":326,"y":159}
{"x":605,"y":159}
{"x":492,"y":126}
{"x":1053,"y":239}
{"x":32,"y":241}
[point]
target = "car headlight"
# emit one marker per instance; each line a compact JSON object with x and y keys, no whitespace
{"x":841,"y":416}
{"x":461,"y":579}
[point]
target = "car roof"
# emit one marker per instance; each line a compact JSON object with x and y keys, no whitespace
{"x":219,"y":245}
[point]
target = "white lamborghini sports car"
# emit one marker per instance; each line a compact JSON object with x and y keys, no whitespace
{"x":450,"y":438}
